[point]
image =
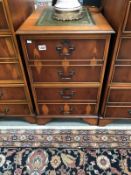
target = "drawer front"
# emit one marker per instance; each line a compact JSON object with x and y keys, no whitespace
{"x":10,"y":71}
{"x":3,"y":19}
{"x":78,"y":49}
{"x":120,"y":95}
{"x":83,"y":94}
{"x":122,"y":74}
{"x":14,"y":110}
{"x":7,"y":48}
{"x":118,"y":112}
{"x":12,"y":93}
{"x":67,"y":109}
{"x":72,"y":74}
{"x":127,"y":26}
{"x":125,"y":49}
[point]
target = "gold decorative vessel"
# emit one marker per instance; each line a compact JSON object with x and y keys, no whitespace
{"x":67,"y":10}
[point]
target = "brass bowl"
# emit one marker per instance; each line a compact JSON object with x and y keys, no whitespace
{"x":68,"y":15}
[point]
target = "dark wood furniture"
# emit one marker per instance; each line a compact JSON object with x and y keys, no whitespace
{"x":66,"y":66}
{"x":15,"y":98}
{"x":116,"y":103}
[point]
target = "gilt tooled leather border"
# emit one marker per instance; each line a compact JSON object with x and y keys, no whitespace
{"x":65,"y":138}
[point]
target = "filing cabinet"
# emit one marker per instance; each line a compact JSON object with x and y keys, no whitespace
{"x":66,"y":66}
{"x":15,"y":99}
{"x":116,"y":101}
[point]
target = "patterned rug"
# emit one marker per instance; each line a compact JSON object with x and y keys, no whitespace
{"x":65,"y":152}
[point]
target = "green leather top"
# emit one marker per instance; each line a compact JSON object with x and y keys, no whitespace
{"x":46,"y":19}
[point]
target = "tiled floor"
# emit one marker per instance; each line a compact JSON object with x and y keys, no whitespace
{"x":62,"y":124}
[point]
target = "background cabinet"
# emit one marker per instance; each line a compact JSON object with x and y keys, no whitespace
{"x":15,"y":98}
{"x":116,"y":103}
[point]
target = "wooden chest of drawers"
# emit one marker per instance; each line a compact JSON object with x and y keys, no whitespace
{"x":15,"y":100}
{"x":66,"y":66}
{"x":116,"y":103}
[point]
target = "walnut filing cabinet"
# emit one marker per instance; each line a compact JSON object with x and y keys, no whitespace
{"x":66,"y":66}
{"x":116,"y":102}
{"x":15,"y":98}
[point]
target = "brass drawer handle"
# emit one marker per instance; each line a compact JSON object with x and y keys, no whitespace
{"x":65,"y":49}
{"x":59,"y":48}
{"x":66,"y":77}
{"x":66,"y":112}
{"x":61,"y":53}
{"x":67,"y":94}
{"x":5,"y":111}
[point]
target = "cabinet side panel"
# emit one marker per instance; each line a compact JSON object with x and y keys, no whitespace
{"x":20,"y":10}
{"x":113,"y":11}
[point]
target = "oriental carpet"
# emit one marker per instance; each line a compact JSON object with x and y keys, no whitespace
{"x":65,"y":152}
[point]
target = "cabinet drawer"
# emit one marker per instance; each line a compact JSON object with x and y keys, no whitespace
{"x":124,"y":49}
{"x":10,"y":71}
{"x":3,"y":19}
{"x":67,"y":109}
{"x":120,"y":95}
{"x":127,"y":25}
{"x":53,"y":49}
{"x":7,"y":48}
{"x":118,"y":112}
{"x":122,"y":74}
{"x":12,"y":93}
{"x":66,"y":93}
{"x":72,"y":74}
{"x":14,"y":110}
